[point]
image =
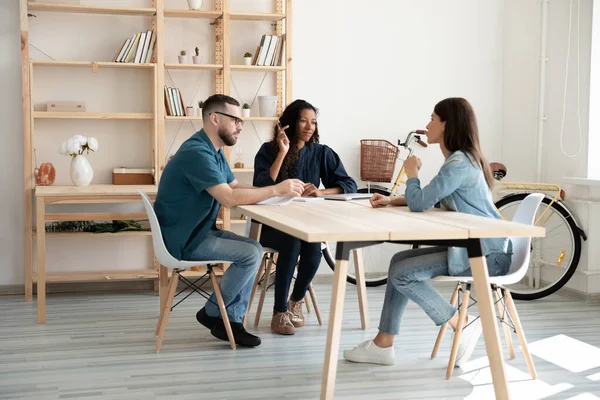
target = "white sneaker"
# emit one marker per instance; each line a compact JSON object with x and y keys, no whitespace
{"x":368,"y":352}
{"x":468,"y":340}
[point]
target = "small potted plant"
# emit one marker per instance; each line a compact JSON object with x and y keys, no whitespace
{"x":246,"y":110}
{"x":200,"y":105}
{"x":182,"y":57}
{"x":248,"y":58}
{"x":189,"y":111}
{"x":197,"y":59}
{"x":194,"y":4}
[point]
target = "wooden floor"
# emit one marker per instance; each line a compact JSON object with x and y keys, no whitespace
{"x":102,"y":347}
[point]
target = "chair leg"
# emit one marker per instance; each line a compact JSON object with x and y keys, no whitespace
{"x":459,"y":327}
{"x":442,"y":332}
{"x":263,"y":293}
{"x":313,"y":296}
{"x":307,"y":303}
{"x":164,"y":319}
{"x":222,"y":308}
{"x":521,"y":335}
{"x":502,"y":314}
{"x":259,"y":275}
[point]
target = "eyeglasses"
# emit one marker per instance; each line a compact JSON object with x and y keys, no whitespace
{"x":237,"y":120}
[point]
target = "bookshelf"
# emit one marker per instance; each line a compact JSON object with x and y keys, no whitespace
{"x":36,"y":197}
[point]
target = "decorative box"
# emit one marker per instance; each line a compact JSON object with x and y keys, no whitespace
{"x":133,"y":176}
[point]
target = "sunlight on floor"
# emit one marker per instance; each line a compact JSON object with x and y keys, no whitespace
{"x":567,"y":353}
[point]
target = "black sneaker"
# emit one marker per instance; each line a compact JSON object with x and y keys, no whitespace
{"x":205,"y":319}
{"x":240,"y":335}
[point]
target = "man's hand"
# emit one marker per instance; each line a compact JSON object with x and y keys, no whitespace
{"x":310,"y":190}
{"x":282,"y":139}
{"x":290,"y":187}
{"x":412,"y":165}
{"x":379,"y":200}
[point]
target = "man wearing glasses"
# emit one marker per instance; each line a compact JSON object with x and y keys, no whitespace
{"x":193,"y":186}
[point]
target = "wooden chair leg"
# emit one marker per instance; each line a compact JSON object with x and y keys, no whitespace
{"x":502,"y":314}
{"x":459,"y":327}
{"x":263,"y":293}
{"x":520,"y":334}
{"x":259,"y":275}
{"x":164,"y":319}
{"x":224,"y":316}
{"x":313,"y":296}
{"x":442,"y":332}
{"x":307,"y":303}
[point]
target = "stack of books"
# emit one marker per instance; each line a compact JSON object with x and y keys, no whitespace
{"x":174,"y":102}
{"x":137,"y":49}
{"x":270,"y":51}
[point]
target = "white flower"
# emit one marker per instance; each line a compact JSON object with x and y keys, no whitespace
{"x":63,"y":149}
{"x":92,"y":144}
{"x":73,"y":146}
{"x":80,"y":138}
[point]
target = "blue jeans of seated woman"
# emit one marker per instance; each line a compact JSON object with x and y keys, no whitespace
{"x":236,"y":284}
{"x":406,"y":281}
{"x":289,"y":249}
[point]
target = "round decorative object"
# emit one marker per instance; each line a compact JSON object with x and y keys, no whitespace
{"x":45,"y":174}
{"x":81,"y":171}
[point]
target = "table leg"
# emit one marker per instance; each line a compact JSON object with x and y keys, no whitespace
{"x":335,"y":321}
{"x":361,"y":287}
{"x":40,"y":211}
{"x":487,"y":313}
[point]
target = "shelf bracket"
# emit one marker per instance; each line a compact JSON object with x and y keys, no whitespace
{"x":94,"y":66}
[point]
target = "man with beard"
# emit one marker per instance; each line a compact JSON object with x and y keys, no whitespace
{"x":193,"y":186}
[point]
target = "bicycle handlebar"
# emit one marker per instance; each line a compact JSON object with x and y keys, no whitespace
{"x":413,"y":136}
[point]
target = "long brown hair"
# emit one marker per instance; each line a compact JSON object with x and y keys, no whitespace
{"x":461,"y":132}
{"x":290,"y":117}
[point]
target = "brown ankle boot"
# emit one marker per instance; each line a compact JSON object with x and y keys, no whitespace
{"x":281,"y":323}
{"x":295,"y":309}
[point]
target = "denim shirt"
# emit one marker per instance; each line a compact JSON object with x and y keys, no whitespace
{"x":460,"y":185}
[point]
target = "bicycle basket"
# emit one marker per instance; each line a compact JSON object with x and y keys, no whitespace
{"x":377,"y":160}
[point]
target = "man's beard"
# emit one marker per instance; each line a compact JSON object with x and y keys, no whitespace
{"x":226,"y":137}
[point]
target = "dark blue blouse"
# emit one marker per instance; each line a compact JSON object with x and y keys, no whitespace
{"x":317,"y":162}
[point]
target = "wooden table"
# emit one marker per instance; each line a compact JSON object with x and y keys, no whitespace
{"x":355,"y":225}
{"x":92,"y":194}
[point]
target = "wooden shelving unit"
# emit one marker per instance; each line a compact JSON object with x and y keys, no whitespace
{"x":221,"y":19}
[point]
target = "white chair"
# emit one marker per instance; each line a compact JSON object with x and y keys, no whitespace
{"x":506,"y":308}
{"x":167,"y":260}
{"x":266,"y":269}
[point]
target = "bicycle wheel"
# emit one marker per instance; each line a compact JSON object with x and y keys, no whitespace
{"x":376,"y":258}
{"x":554,"y":257}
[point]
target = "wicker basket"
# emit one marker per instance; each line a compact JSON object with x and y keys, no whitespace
{"x":377,"y":160}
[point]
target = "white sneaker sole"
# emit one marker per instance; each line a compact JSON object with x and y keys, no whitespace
{"x":365,"y":359}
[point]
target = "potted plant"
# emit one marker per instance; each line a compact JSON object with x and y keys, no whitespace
{"x":248,"y":58}
{"x":189,"y":111}
{"x":200,"y":105}
{"x":197,"y":59}
{"x":81,"y":171}
{"x":182,"y":57}
{"x":246,"y":110}
{"x":194,"y":4}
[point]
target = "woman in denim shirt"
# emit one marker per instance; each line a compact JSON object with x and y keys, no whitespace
{"x":463,"y":184}
{"x":295,"y":152}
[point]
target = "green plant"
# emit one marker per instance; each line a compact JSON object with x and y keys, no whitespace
{"x":247,"y":55}
{"x":183,"y":53}
{"x":246,"y":106}
{"x":95,"y":227}
{"x":197,"y":51}
{"x":200,"y":104}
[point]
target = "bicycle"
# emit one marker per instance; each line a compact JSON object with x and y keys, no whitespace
{"x":554,"y":257}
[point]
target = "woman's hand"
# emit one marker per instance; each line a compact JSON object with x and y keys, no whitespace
{"x":282,"y":139}
{"x":379,"y":200}
{"x":310,"y":190}
{"x":412,"y":165}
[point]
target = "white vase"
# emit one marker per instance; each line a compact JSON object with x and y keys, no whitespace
{"x":81,"y":171}
{"x":246,"y":112}
{"x":199,"y":110}
{"x":195,"y":4}
{"x":248,"y":60}
{"x":183,"y":59}
{"x":197,"y":59}
{"x":189,"y":111}
{"x":267,"y":105}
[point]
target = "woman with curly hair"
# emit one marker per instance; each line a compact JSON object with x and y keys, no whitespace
{"x":295,"y":152}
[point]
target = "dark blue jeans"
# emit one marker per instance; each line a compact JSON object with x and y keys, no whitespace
{"x":290,"y":248}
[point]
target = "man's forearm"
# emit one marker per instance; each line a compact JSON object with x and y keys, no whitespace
{"x":244,"y":196}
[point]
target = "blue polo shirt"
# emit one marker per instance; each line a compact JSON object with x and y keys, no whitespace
{"x":185,"y":210}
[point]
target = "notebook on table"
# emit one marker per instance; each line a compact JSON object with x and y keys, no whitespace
{"x":347,"y":196}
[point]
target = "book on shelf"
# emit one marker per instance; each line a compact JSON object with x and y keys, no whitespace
{"x":270,"y":51}
{"x":137,"y":49}
{"x":174,"y":102}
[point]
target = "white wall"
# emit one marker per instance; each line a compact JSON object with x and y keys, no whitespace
{"x":372,"y":74}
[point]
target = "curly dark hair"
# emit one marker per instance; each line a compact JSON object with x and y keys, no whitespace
{"x":290,"y":117}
